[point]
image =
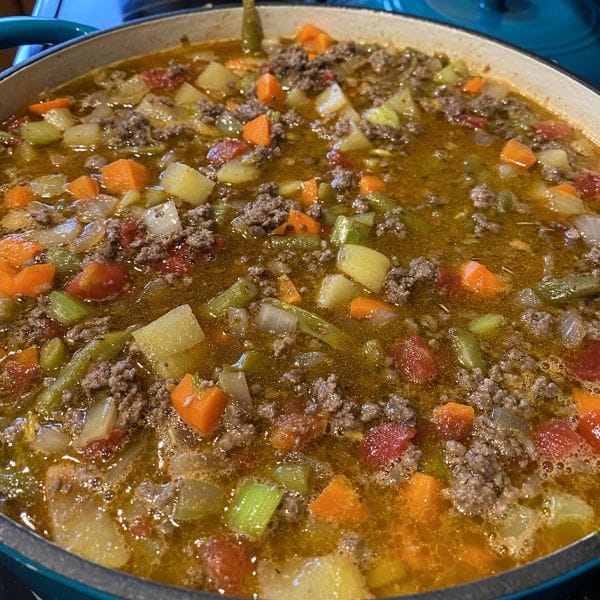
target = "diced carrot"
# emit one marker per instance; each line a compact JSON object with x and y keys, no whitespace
{"x":296,"y":430}
{"x":298,"y":223}
{"x":258,"y":131}
{"x":7,"y":278}
{"x":41,"y":108}
{"x":35,"y":280}
{"x":288,"y":292}
{"x":371,"y":183}
{"x":83,"y":187}
{"x":585,"y":402}
{"x":241,"y":64}
{"x":28,"y":357}
{"x":476,"y":278}
{"x":474,"y":85}
{"x":231,"y":105}
{"x":340,"y":503}
{"x":16,"y":250}
{"x":363,"y":307}
{"x":453,"y":421}
{"x":567,"y":188}
{"x":309,"y":191}
{"x":18,"y":197}
{"x":123,"y":175}
{"x":269,"y":91}
{"x":313,"y":39}
{"x":201,"y":408}
{"x":518,"y":154}
{"x":421,"y":496}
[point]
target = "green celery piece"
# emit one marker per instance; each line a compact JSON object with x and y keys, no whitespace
{"x":563,"y":289}
{"x":383,"y":204}
{"x":251,"y":361}
{"x":65,"y":261}
{"x":294,"y":477}
{"x":237,"y":295}
{"x":383,"y":115}
{"x":40,"y":133}
{"x":314,"y":325}
{"x":101,"y":348}
{"x":8,"y":310}
{"x":65,"y":309}
{"x":253,"y":507}
{"x":348,"y":230}
{"x":487,"y":325}
{"x":304,"y":243}
{"x":467,"y":349}
{"x":446,"y":75}
{"x":53,"y":354}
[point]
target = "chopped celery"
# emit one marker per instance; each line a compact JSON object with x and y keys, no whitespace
{"x":304,"y":243}
{"x":222,"y":212}
{"x":102,"y":348}
{"x":288,"y":189}
{"x":251,"y":360}
{"x":237,"y":295}
{"x":365,"y":218}
{"x":373,"y":351}
{"x":314,"y":325}
{"x":433,"y":464}
{"x":557,"y":290}
{"x":65,"y":261}
{"x":61,"y":118}
{"x":40,"y":133}
{"x":446,"y":75}
{"x":466,"y":349}
{"x":349,"y":230}
{"x":198,"y":499}
{"x":383,"y":115}
{"x":295,"y":477}
{"x":253,"y":507}
{"x":297,"y":99}
{"x":487,"y":325}
{"x":385,"y":571}
{"x":53,"y":354}
{"x":336,"y":290}
{"x":383,"y":204}
{"x":65,"y":309}
{"x":8,"y":310}
{"x":365,"y":265}
{"x":506,"y":200}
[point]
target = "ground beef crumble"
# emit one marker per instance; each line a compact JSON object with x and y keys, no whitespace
{"x":266,"y":212}
{"x":400,"y":282}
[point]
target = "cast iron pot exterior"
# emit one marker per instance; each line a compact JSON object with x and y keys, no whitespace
{"x":59,"y":575}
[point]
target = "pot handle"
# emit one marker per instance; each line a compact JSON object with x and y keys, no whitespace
{"x":16,"y":31}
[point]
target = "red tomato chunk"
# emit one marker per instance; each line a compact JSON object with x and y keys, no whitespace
{"x":384,"y":443}
{"x":98,"y":281}
{"x":415,"y":360}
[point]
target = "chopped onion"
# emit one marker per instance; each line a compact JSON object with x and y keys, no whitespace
{"x":528,"y":298}
{"x":92,"y":233}
{"x":505,"y":417}
{"x":100,"y":419}
{"x":516,"y":531}
{"x":62,"y":233}
{"x":483,"y":139}
{"x":506,"y":171}
{"x":102,"y":111}
{"x":496,"y":90}
{"x":308,"y":360}
{"x":271,"y":318}
{"x":382,"y":316}
{"x":565,"y":203}
{"x":50,"y":440}
{"x":566,"y":508}
{"x":48,"y":186}
{"x":234,"y":384}
{"x":238,"y":320}
{"x":572,"y":328}
{"x":101,"y":205}
{"x":162,"y":219}
{"x":589,"y":227}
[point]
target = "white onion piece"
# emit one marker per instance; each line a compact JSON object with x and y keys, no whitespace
{"x":483,"y":139}
{"x":238,"y":320}
{"x":234,"y":384}
{"x":100,"y":419}
{"x":102,"y":111}
{"x":382,"y":316}
{"x":495,"y":90}
{"x":572,"y":328}
{"x":308,"y":360}
{"x":92,"y":233}
{"x":50,"y":440}
{"x":48,"y":186}
{"x":528,"y":298}
{"x":271,"y":318}
{"x":62,"y":233}
{"x":101,"y":205}
{"x":506,"y":171}
{"x":505,"y":417}
{"x":589,"y":227}
{"x":162,"y":219}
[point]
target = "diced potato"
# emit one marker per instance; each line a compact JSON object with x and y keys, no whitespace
{"x":236,"y":172}
{"x":186,"y":183}
{"x":100,"y":419}
{"x":174,"y":332}
{"x":83,"y":135}
{"x":187,"y":94}
{"x":564,"y":203}
{"x":383,"y":115}
{"x":217,"y":77}
{"x":177,"y":365}
{"x":554,"y":157}
{"x":385,"y":571}
{"x":61,"y":118}
{"x":365,"y":265}
{"x":336,"y":290}
{"x":198,"y":499}
{"x":402,"y":102}
{"x":565,"y":508}
{"x":355,"y":140}
{"x":297,"y":99}
{"x":331,"y":100}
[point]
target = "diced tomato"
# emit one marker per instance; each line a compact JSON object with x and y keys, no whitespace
{"x":589,"y":428}
{"x":177,"y":262}
{"x":98,"y":281}
{"x":140,"y":530}
{"x":472,"y":121}
{"x":105,"y":447}
{"x":339,"y":158}
{"x":448,"y":282}
{"x":161,"y":79}
{"x":587,"y":183}
{"x":326,"y":78}
{"x":17,"y":378}
{"x":220,"y":244}
{"x":584,"y":363}
{"x":227,"y":564}
{"x":557,"y":440}
{"x":296,"y":430}
{"x":415,"y":360}
{"x":130,"y":231}
{"x":384,"y":443}
{"x":225,"y":151}
{"x":553,"y":130}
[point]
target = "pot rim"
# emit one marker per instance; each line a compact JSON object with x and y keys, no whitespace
{"x":37,"y":553}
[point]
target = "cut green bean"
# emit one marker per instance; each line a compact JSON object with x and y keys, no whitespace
{"x":65,"y":261}
{"x":53,"y":355}
{"x":563,"y":289}
{"x":251,"y":361}
{"x":102,"y":348}
{"x":8,"y":310}
{"x":348,"y":230}
{"x":487,"y":325}
{"x":467,"y":349}
{"x":251,"y":29}
{"x":383,"y":204}
{"x":304,"y":243}
{"x":65,"y":309}
{"x":237,"y":295}
{"x":294,"y":477}
{"x":253,"y":507}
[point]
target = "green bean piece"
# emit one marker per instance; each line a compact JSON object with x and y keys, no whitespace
{"x":251,"y":361}
{"x":65,"y":261}
{"x":237,"y":295}
{"x":304,"y":243}
{"x":65,"y":309}
{"x":348,"y":230}
{"x":53,"y":355}
{"x":314,"y":325}
{"x":487,"y":325}
{"x":467,"y":349}
{"x":102,"y":348}
{"x":562,"y":289}
{"x":373,"y":351}
{"x":251,"y":29}
{"x":326,"y":193}
{"x":8,"y":310}
{"x":294,"y":477}
{"x":383,"y":204}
